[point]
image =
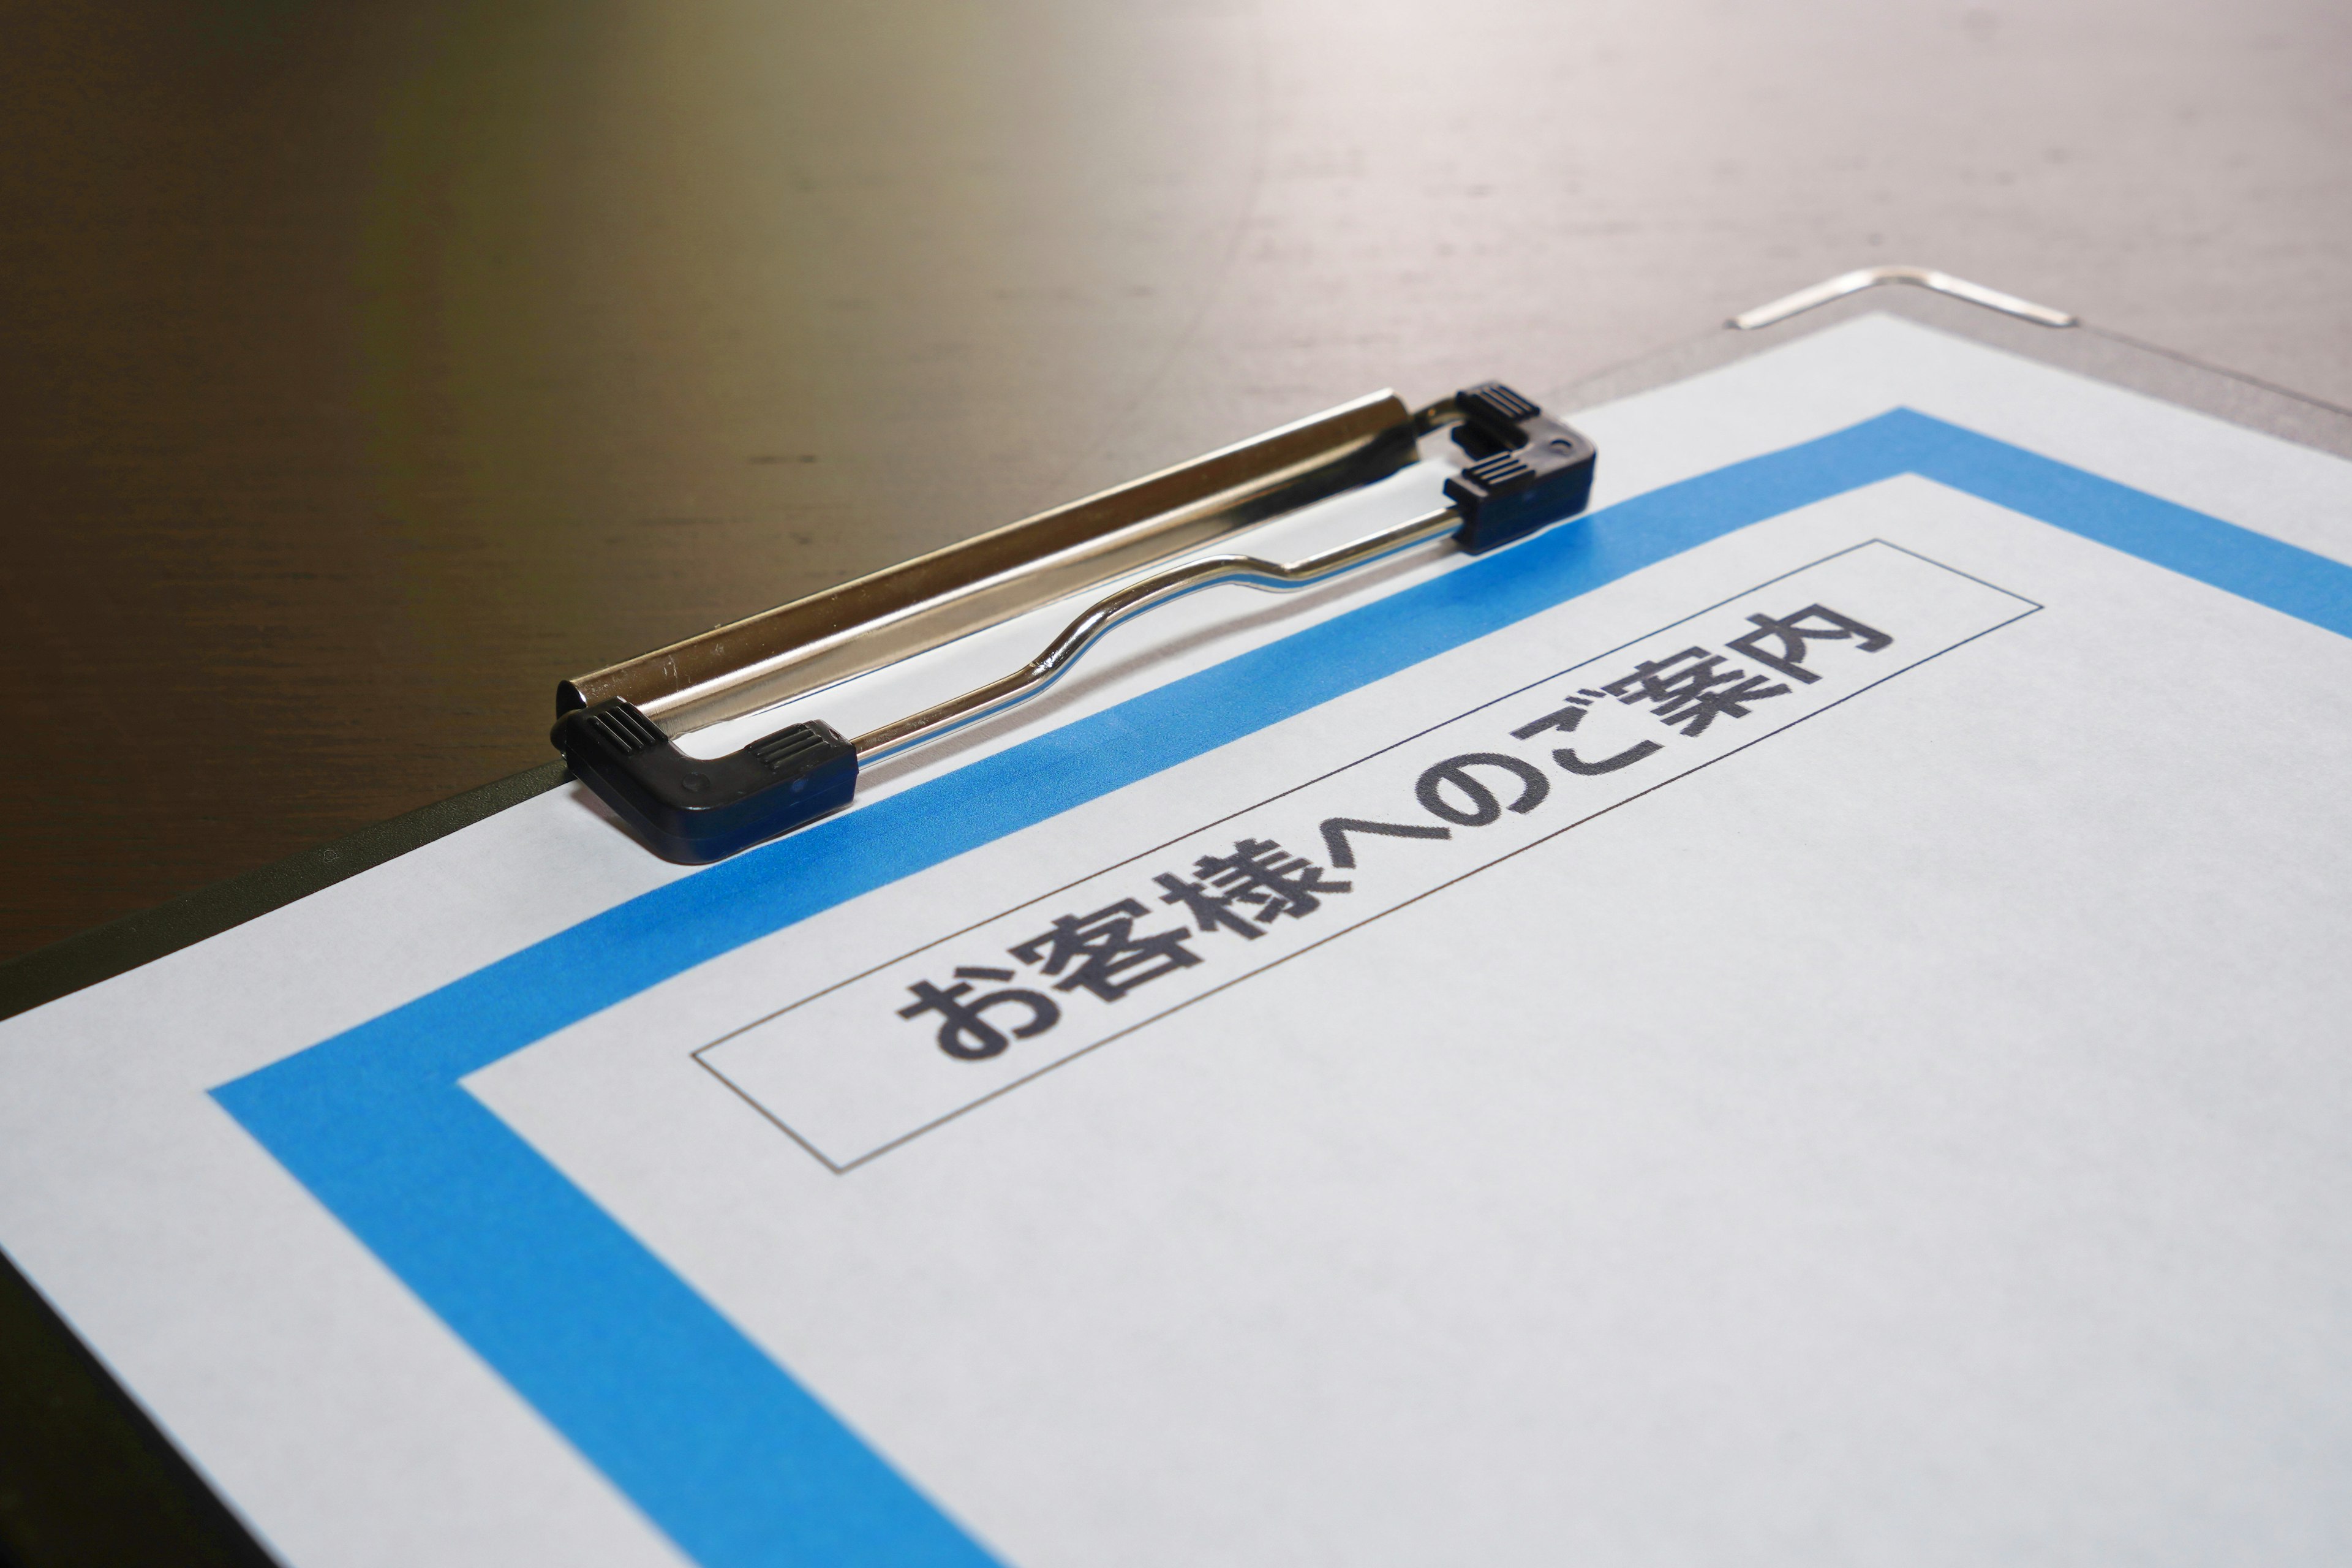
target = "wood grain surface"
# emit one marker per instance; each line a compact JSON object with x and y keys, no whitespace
{"x":369,"y":366}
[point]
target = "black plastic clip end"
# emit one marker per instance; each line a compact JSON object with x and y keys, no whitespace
{"x":1528,"y":470}
{"x":691,"y":810}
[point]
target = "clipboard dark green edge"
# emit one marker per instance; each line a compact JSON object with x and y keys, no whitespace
{"x":86,"y":1474}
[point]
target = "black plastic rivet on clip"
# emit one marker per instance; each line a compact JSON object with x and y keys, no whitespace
{"x":692,"y":810}
{"x":1528,"y":469}
{"x":615,"y":726}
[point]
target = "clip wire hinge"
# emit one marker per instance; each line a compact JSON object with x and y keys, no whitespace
{"x":1526,"y":471}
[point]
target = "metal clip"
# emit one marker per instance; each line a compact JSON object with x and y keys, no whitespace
{"x":615,"y":727}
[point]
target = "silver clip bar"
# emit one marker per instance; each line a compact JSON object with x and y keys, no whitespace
{"x":1042,"y":671}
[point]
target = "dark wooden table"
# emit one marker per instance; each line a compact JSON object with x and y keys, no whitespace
{"x":367,"y":367}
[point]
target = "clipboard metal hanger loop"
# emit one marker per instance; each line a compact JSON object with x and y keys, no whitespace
{"x":616,"y":727}
{"x":1775,"y":311}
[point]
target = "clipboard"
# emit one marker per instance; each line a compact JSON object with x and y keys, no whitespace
{"x":1924,"y":295}
{"x":194,"y":1517}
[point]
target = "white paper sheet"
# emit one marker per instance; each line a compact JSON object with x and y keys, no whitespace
{"x":1902,"y":1121}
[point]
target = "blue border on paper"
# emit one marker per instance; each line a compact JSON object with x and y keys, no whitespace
{"x":721,"y":1447}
